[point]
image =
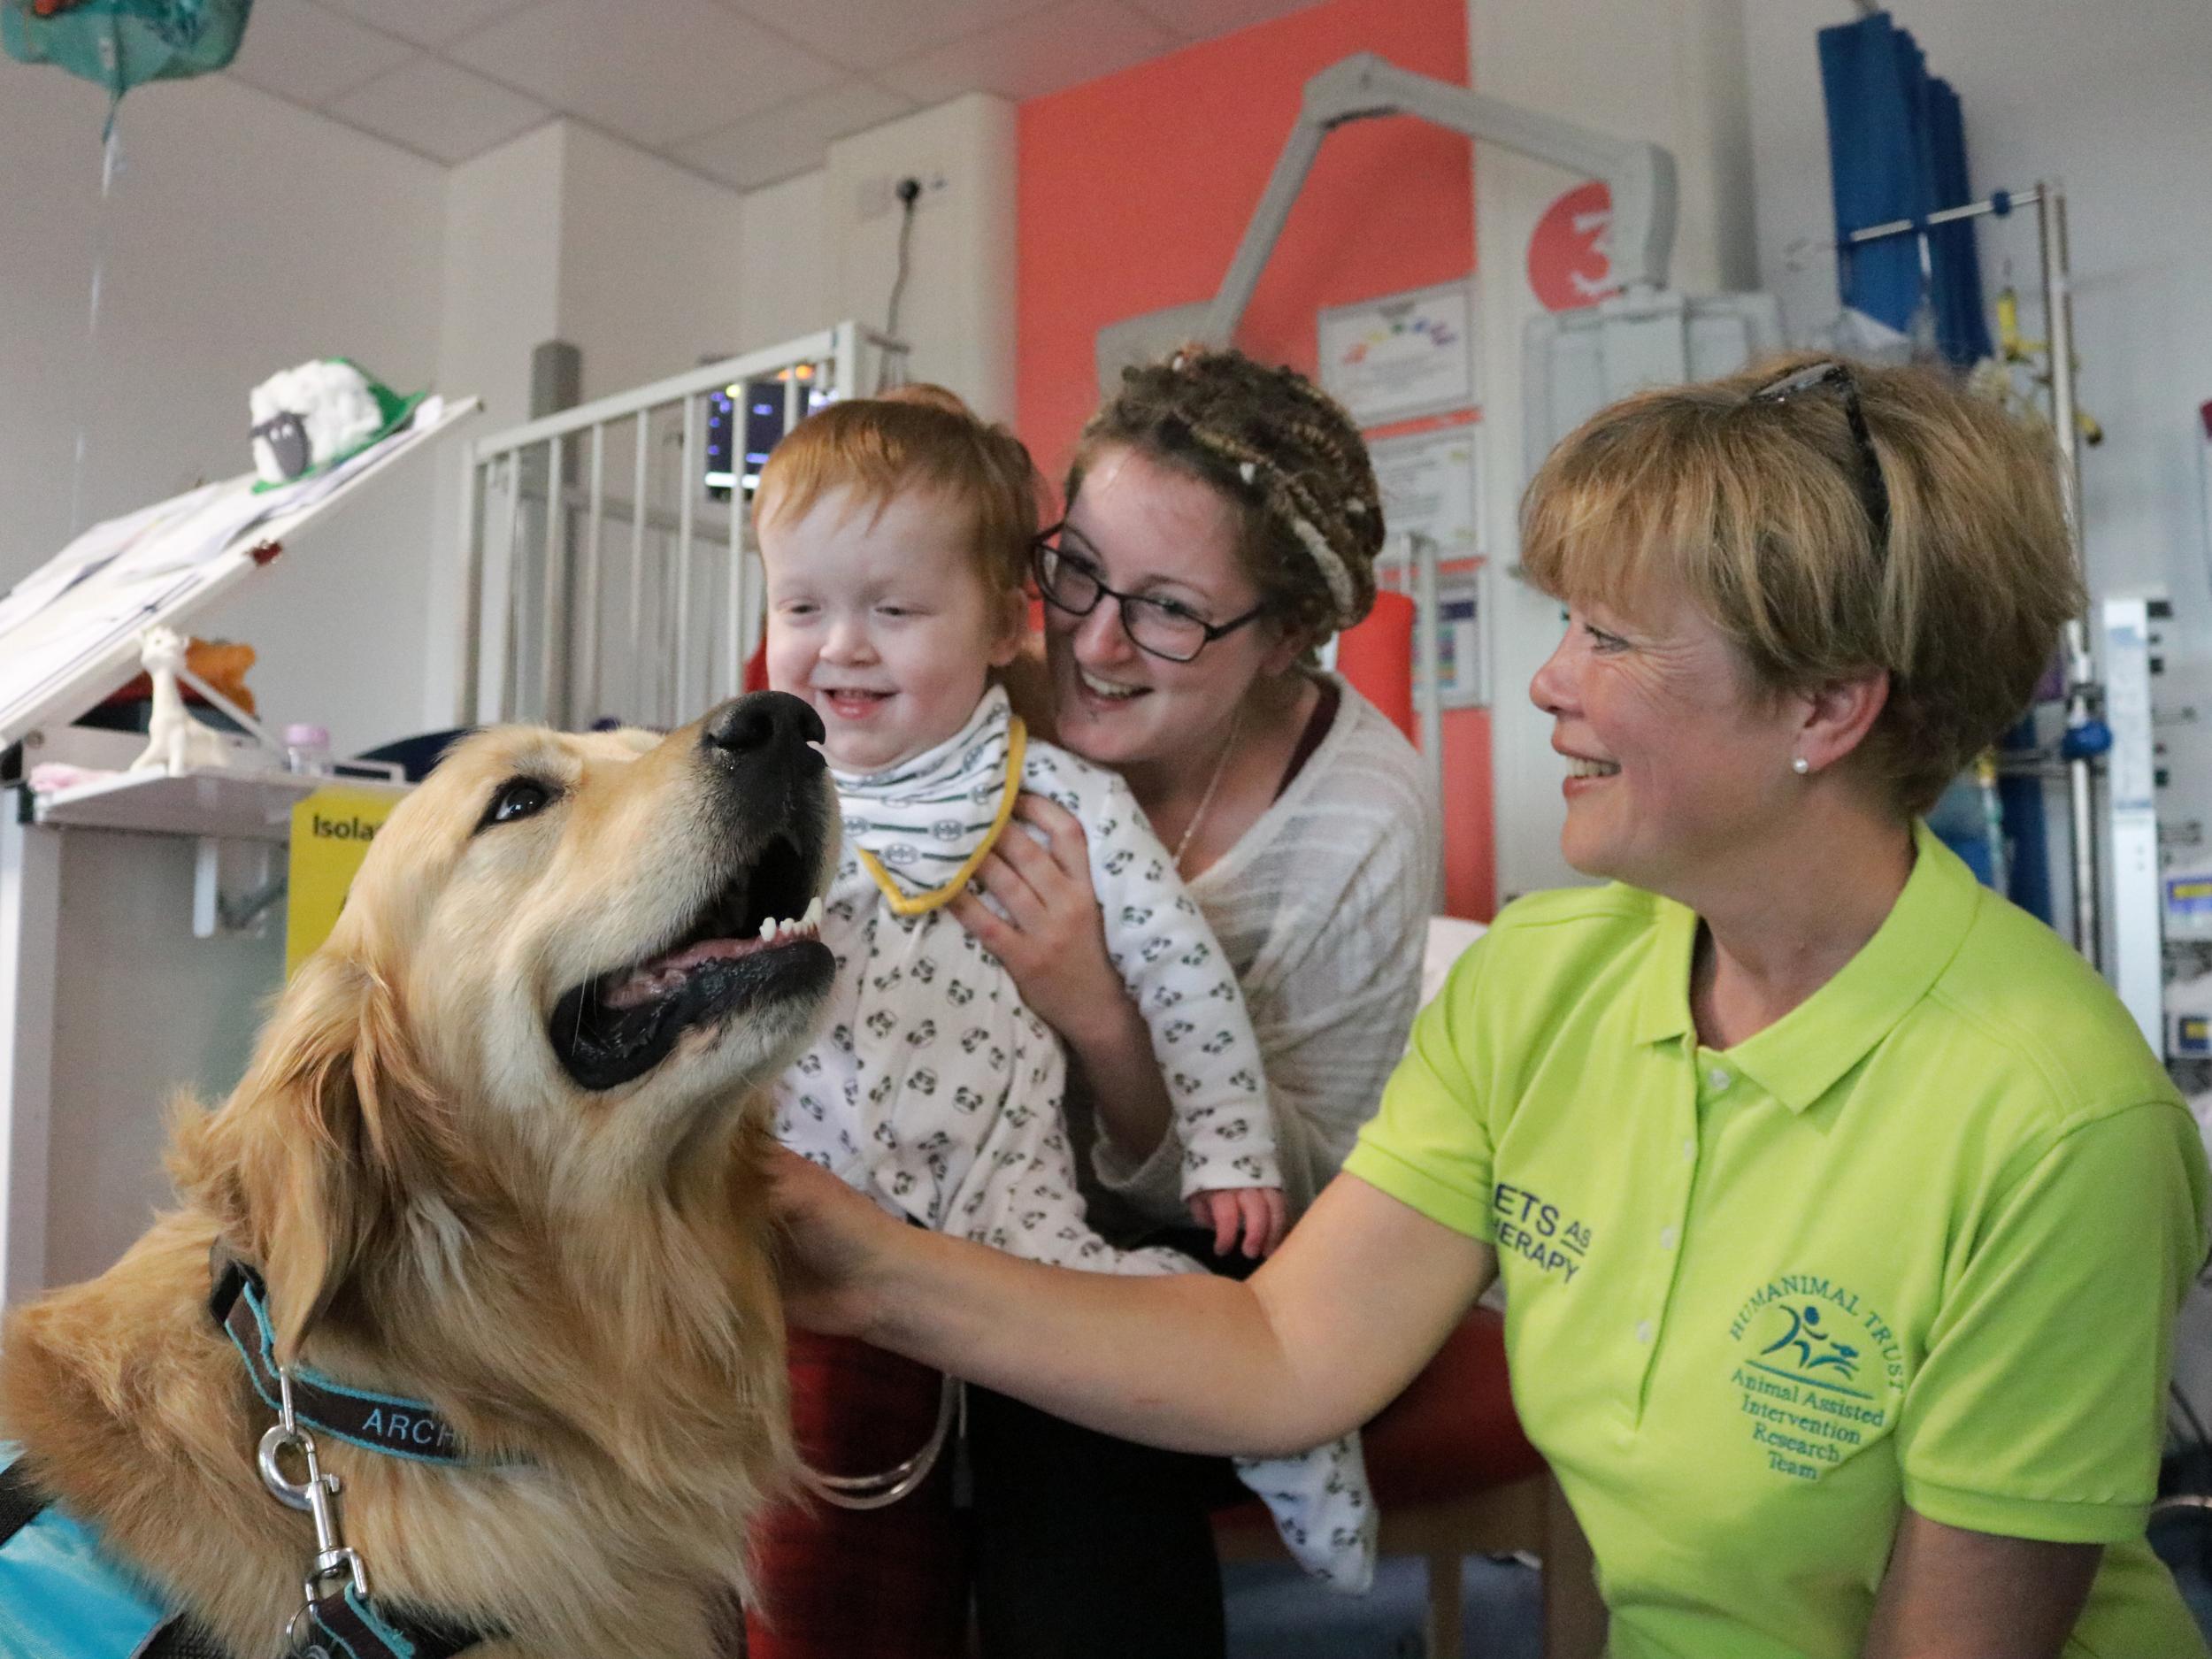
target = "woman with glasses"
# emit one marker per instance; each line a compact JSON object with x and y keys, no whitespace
{"x":1221,"y":520}
{"x":1842,"y":1211}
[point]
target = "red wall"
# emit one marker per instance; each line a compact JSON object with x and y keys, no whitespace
{"x":1134,"y":190}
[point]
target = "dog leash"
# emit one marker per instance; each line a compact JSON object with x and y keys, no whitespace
{"x":886,"y":1486}
{"x":340,"y":1617}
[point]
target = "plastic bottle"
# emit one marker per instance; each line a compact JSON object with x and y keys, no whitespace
{"x":307,"y":751}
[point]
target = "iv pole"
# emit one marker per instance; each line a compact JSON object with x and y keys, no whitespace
{"x":2087,"y":736}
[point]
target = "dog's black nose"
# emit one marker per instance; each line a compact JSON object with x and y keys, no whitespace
{"x":765,"y":726}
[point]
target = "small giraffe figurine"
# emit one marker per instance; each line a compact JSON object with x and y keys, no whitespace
{"x":178,"y":743}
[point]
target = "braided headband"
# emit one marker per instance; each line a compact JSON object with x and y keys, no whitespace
{"x":1335,"y":574}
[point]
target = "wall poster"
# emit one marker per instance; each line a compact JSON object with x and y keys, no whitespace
{"x":1402,"y":355}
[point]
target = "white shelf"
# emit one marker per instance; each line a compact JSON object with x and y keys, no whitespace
{"x":111,"y":650}
{"x":229,"y":806}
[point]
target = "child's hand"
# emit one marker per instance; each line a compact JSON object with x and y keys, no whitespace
{"x":1260,"y":1213}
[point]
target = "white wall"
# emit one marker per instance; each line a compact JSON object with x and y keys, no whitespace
{"x":957,"y":307}
{"x":501,"y":293}
{"x":143,"y":1011}
{"x":783,"y":285}
{"x":500,"y":299}
{"x":1670,"y":71}
{"x":244,"y":237}
{"x":651,"y":264}
{"x":823,"y":247}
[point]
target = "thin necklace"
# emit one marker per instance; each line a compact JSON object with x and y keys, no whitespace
{"x":1206,"y":800}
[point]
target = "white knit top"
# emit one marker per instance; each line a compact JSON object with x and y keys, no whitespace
{"x":1322,"y":908}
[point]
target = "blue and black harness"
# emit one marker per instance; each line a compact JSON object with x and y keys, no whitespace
{"x":64,"y":1597}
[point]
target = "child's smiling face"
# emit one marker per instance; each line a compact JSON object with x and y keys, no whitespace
{"x":882,"y":620}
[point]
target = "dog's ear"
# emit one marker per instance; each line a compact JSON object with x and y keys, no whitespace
{"x":312,"y":1164}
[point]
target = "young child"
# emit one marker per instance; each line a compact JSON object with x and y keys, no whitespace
{"x":896,"y":534}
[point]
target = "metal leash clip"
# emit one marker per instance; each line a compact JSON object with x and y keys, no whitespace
{"x":318,"y":1495}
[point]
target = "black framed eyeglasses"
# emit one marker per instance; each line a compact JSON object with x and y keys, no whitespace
{"x":1070,"y":582}
{"x":1873,"y":487}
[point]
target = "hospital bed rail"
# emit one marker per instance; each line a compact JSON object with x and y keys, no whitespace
{"x":605,"y":570}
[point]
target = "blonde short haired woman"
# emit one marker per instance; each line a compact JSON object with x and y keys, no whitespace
{"x":1842,"y":1212}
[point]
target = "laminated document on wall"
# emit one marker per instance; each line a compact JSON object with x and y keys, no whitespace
{"x":1401,"y":356}
{"x":69,"y":631}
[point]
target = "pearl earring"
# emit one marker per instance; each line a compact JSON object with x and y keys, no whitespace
{"x":1800,"y":766}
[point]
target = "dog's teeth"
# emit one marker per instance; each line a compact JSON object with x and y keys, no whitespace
{"x":768,"y":931}
{"x":814,"y":918}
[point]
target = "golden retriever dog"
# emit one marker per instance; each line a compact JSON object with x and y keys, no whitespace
{"x":500,"y":1149}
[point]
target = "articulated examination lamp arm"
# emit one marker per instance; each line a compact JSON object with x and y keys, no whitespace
{"x":1640,"y":175}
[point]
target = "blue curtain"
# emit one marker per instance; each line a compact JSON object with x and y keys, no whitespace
{"x":1897,"y":149}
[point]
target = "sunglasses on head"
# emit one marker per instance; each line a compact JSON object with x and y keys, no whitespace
{"x":1820,"y":377}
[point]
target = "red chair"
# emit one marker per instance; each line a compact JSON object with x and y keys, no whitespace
{"x":1454,"y":1477}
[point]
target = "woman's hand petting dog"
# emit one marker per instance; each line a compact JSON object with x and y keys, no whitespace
{"x":834,"y":1249}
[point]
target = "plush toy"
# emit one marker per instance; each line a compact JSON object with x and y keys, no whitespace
{"x":311,"y":418}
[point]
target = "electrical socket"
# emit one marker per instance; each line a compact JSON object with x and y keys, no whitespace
{"x":879,"y":193}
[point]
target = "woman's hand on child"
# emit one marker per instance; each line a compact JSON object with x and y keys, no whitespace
{"x":1051,"y":938}
{"x":1260,"y":1214}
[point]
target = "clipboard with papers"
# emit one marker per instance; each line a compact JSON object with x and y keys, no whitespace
{"x":70,"y":631}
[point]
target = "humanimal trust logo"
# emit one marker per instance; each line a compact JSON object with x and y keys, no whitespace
{"x":1818,"y":1372}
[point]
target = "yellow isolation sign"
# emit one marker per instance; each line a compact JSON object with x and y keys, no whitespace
{"x":331,"y":831}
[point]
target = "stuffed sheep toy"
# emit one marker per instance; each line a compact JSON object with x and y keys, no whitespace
{"x":308,"y":418}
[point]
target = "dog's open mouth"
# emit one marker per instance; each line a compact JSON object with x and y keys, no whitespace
{"x":755,"y":938}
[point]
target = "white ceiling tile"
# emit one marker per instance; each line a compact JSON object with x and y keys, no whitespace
{"x":425,"y":22}
{"x":303,"y":53}
{"x":655,"y":73}
{"x":438,"y":110}
{"x":791,"y":138}
{"x":1072,"y":43}
{"x":1202,"y":19}
{"x":869,"y":33}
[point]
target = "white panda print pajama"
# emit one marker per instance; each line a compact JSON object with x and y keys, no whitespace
{"x":937,"y":1092}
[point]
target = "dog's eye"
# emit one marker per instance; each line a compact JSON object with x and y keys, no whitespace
{"x":518,"y":798}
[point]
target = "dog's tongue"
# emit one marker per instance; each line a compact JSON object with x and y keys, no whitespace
{"x":663,"y":973}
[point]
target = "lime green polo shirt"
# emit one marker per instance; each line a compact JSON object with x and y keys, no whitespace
{"x":1921,"y":1242}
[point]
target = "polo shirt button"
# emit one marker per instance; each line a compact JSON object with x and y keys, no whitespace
{"x":1689,"y":1151}
{"x":1718,"y":1078}
{"x":1643,"y":1331}
{"x":1666,"y":1238}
